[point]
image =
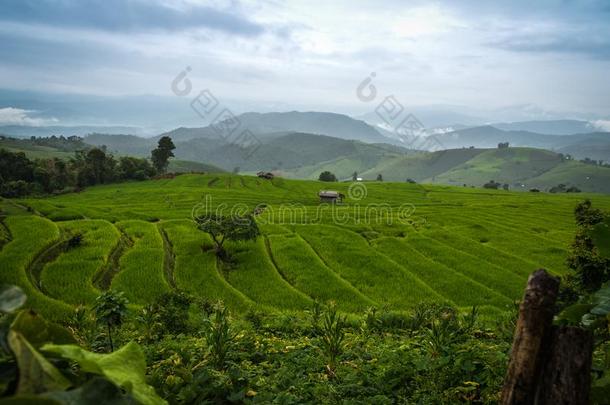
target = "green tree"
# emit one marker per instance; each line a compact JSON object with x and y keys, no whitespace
{"x":110,"y":309}
{"x":355,"y":176}
{"x":160,"y":155}
{"x":222,"y":228}
{"x":379,"y":177}
{"x":589,"y":269}
{"x":327,"y":176}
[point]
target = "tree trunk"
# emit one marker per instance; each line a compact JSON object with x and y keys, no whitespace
{"x":566,"y":376}
{"x":110,"y":337}
{"x":527,"y":357}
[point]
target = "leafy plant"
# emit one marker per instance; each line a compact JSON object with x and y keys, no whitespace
{"x":173,"y":311}
{"x":126,"y":368}
{"x":149,"y":319}
{"x":110,"y":309}
{"x":218,"y":335}
{"x":333,"y":334}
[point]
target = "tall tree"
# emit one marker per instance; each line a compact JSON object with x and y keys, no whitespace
{"x":160,"y":155}
{"x":589,"y":268}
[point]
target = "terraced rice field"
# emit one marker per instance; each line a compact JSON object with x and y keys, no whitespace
{"x":420,"y":244}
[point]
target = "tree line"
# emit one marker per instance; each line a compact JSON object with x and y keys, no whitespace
{"x":21,"y":176}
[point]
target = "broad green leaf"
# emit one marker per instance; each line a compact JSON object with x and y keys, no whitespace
{"x":98,"y":390}
{"x":11,"y":298}
{"x":601,"y":238}
{"x":36,"y":374}
{"x":600,"y":390}
{"x":574,"y":313}
{"x":39,"y":331}
{"x":602,"y":300}
{"x":126,"y":368}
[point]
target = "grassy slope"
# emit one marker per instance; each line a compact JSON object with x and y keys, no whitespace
{"x":186,"y":166}
{"x":33,"y":151}
{"x":502,"y":165}
{"x":482,"y":242}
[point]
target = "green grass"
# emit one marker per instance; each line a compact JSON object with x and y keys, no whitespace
{"x":258,"y":278}
{"x":141,"y":275}
{"x":494,"y":277}
{"x":31,"y":235}
{"x":195,"y":270}
{"x":70,"y":277}
{"x":371,"y":273}
{"x":447,"y":282}
{"x":461,"y":245}
{"x":302,"y":268}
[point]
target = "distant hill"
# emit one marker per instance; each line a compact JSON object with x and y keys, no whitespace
{"x":305,"y":156}
{"x":319,"y":123}
{"x":521,"y":168}
{"x":550,"y":127}
{"x":24,"y":131}
{"x":580,"y":145}
{"x":65,"y":149}
{"x":123,"y":144}
{"x":286,"y":153}
{"x":185,"y":166}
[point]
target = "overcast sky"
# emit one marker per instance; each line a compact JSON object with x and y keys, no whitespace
{"x":542,"y":56}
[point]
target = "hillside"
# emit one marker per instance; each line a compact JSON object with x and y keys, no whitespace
{"x":186,"y":166}
{"x":319,"y":123}
{"x":549,"y":127}
{"x":514,"y":166}
{"x":521,"y":168}
{"x":594,"y":145}
{"x":463,"y":246}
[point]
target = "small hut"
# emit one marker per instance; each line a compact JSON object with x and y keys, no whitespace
{"x":330,"y":196}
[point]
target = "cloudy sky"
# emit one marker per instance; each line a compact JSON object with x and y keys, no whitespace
{"x":535,"y":59}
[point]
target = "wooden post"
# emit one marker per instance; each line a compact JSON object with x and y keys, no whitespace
{"x":566,"y":376}
{"x":534,"y":323}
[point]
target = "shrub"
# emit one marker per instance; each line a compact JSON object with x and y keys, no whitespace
{"x":173,"y":311}
{"x":75,"y":240}
{"x":332,"y":337}
{"x":218,"y":335}
{"x":327,"y":176}
{"x":15,"y":189}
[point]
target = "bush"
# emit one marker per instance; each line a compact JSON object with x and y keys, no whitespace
{"x":492,"y":185}
{"x":327,"y":176}
{"x":15,"y":189}
{"x":173,"y":310}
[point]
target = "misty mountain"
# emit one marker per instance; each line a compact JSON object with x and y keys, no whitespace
{"x":319,"y":123}
{"x":595,"y":145}
{"x":550,"y":127}
{"x":26,"y":131}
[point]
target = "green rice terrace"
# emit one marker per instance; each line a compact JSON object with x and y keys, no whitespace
{"x":390,"y":245}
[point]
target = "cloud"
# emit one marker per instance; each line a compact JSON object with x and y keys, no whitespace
{"x":585,"y":44}
{"x":128,"y":16}
{"x":18,"y":116}
{"x":602,"y":125}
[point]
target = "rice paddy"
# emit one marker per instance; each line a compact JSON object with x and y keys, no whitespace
{"x":418,"y":244}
